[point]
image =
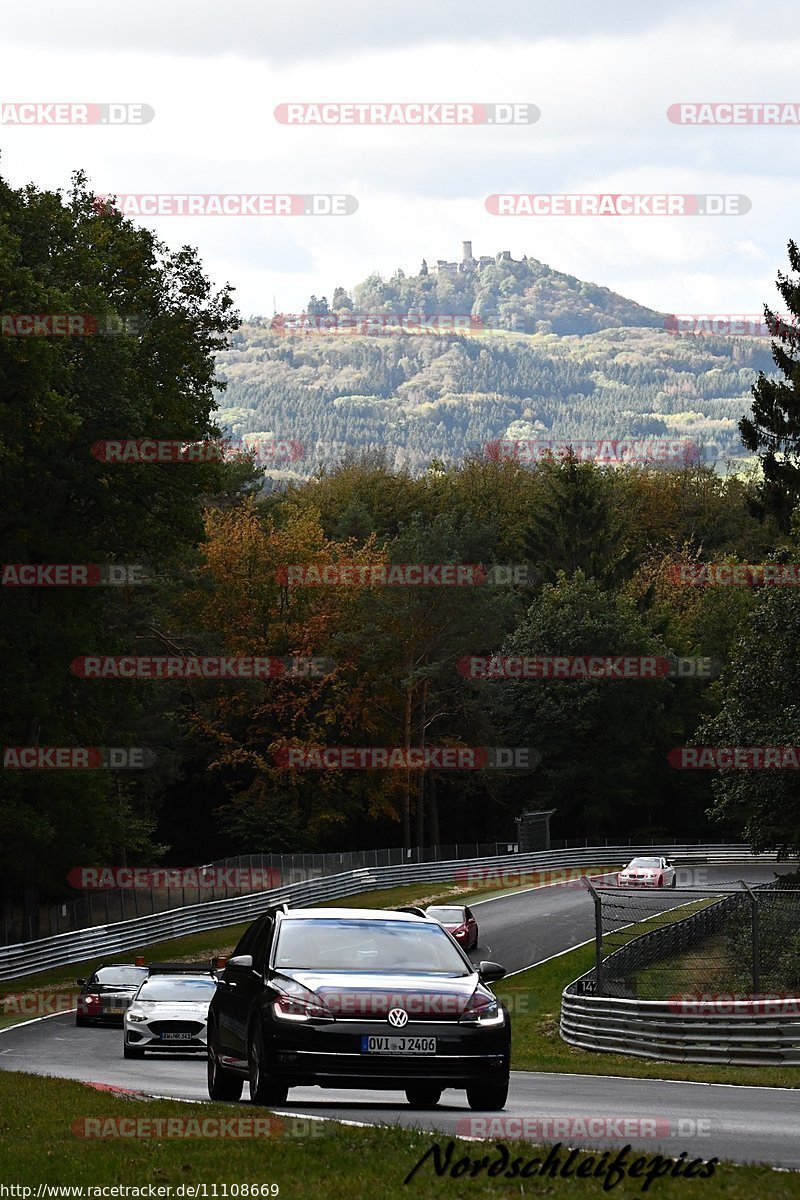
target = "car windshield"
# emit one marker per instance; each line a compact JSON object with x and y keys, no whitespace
{"x":447,"y":916}
{"x":178,"y":990}
{"x":359,"y":945}
{"x":120,"y":976}
{"x":646,"y":862}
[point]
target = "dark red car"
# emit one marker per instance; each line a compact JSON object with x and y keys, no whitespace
{"x":457,"y":920}
{"x":107,"y":993}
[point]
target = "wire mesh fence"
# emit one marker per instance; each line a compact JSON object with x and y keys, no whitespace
{"x":690,"y":945}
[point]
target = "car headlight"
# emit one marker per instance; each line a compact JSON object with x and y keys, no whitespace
{"x":136,"y":1016}
{"x":482,"y":1010}
{"x":297,"y":1003}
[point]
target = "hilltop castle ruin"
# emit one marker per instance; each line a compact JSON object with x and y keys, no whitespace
{"x":469,"y":262}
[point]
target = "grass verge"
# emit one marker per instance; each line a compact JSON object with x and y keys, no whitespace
{"x":38,"y":1145}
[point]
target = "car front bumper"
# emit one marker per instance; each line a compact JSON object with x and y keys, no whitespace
{"x":331,"y":1054}
{"x":141,"y":1038}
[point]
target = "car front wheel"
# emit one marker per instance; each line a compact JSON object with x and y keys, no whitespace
{"x":263,"y":1090}
{"x":487,"y":1097}
{"x":132,"y":1051}
{"x":674,"y":881}
{"x":222,"y":1085}
{"x":423,"y":1095}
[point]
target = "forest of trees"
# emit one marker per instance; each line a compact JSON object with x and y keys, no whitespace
{"x":445,"y":396}
{"x":601,"y":547}
{"x":525,"y":296}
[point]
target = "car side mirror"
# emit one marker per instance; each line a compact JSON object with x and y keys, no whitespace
{"x":489,"y":972}
{"x":81,"y":982}
{"x":245,"y":961}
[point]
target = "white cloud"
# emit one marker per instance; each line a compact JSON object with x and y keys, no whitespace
{"x":602,"y":79}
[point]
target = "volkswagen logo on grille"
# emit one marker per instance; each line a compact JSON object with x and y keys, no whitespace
{"x":398,"y":1017}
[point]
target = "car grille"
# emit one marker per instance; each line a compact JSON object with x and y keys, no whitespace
{"x":192,"y":1027}
{"x":423,"y":1019}
{"x":456,"y":1066}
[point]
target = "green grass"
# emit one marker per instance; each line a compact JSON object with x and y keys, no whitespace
{"x":705,"y":968}
{"x":38,"y":1146}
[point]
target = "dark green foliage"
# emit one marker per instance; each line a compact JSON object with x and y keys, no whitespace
{"x":773,"y":431}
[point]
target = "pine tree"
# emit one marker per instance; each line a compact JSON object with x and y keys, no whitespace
{"x":773,"y":432}
{"x":575,"y":527}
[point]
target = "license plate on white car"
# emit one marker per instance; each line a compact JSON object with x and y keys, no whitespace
{"x":371,"y":1044}
{"x":175,"y":1037}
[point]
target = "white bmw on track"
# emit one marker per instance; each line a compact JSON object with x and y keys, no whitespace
{"x":169,"y":1012}
{"x":648,"y":872}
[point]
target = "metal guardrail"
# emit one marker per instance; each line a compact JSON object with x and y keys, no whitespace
{"x":746,"y":1032}
{"x":747,"y":1035}
{"x":115,"y":904}
{"x":26,"y":958}
{"x":107,"y":905}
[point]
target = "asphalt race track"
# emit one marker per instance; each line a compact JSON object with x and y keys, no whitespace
{"x":742,"y":1124}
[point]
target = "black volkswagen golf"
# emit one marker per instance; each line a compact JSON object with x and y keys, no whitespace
{"x":357,"y":998}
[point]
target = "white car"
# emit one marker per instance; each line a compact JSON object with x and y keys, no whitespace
{"x":169,"y":1012}
{"x":648,"y":872}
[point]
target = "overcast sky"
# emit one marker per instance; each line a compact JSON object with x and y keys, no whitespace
{"x":603,"y":77}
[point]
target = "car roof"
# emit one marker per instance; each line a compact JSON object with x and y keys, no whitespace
{"x":205,"y":976}
{"x":126,"y":966}
{"x":360,"y":914}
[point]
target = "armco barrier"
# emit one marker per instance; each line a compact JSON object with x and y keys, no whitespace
{"x":754,"y":1032}
{"x":114,"y":904}
{"x":109,"y":905}
{"x":652,"y":1029}
{"x":26,"y":958}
